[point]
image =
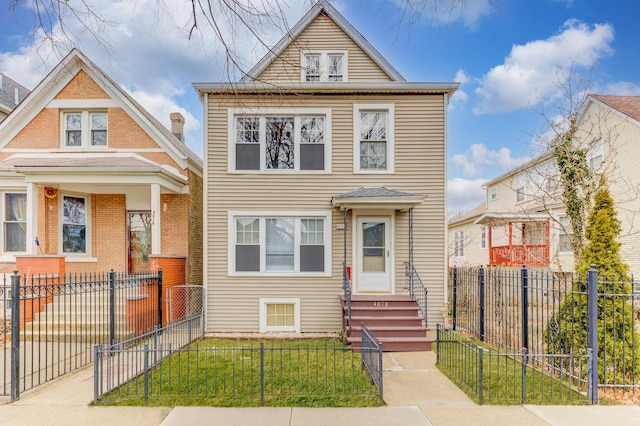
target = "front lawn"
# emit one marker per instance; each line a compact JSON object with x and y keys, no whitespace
{"x":249,"y":373}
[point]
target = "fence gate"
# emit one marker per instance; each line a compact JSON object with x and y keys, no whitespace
{"x":184,"y":301}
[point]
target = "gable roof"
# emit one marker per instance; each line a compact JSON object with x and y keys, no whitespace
{"x":62,"y":74}
{"x":470,"y":215}
{"x":627,"y":105}
{"x":325,"y":8}
{"x":8,"y":89}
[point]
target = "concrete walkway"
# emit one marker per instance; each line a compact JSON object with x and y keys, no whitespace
{"x":415,"y":391}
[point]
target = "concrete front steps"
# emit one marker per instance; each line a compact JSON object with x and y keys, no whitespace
{"x":394,"y":320}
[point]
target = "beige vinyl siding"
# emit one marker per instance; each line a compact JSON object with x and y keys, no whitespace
{"x":419,"y":153}
{"x":323,"y":34}
{"x":621,"y":157}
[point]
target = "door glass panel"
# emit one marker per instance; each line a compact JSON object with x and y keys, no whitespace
{"x":373,"y":247}
{"x":139,"y":242}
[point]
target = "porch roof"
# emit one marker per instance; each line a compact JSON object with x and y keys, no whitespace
{"x":377,"y":197}
{"x":111,"y":169}
{"x":502,"y":218}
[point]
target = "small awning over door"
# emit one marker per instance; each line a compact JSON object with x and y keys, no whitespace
{"x":377,"y":197}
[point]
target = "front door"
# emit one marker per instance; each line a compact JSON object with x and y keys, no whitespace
{"x":373,"y":274}
{"x":139,"y":241}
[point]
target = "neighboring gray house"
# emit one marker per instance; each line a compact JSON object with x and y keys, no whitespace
{"x":11,"y":94}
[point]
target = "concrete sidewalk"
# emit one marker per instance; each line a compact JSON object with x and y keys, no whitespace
{"x":415,"y":391}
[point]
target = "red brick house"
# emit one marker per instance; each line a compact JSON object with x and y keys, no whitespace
{"x":90,"y":177}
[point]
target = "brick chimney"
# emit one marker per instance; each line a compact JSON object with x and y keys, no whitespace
{"x":177,"y":125}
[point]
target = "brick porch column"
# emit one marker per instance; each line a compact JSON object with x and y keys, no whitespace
{"x":173,"y":273}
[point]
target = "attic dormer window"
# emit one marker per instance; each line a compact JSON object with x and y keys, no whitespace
{"x":323,"y":66}
{"x":312,"y":67}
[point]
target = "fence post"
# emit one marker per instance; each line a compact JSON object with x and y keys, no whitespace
{"x":160,"y":297}
{"x":525,"y":307}
{"x":112,"y":307}
{"x":96,"y":374}
{"x":481,"y":297}
{"x":146,"y":374}
{"x":480,"y":375}
{"x":592,"y":295}
{"x":454,"y":308}
{"x":261,"y":373}
{"x":15,"y":336}
{"x":525,"y":359}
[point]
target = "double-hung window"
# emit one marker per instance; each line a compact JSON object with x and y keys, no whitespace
{"x":15,"y":222}
{"x":565,"y":234}
{"x":280,"y":140}
{"x":483,"y":237}
{"x":324,"y":66}
{"x":458,"y":243}
{"x":595,"y":156}
{"x":373,"y":138}
{"x":279,"y":243}
{"x":74,"y":224}
{"x":84,"y":129}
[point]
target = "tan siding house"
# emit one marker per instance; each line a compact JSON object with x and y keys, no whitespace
{"x":87,"y":174}
{"x":325,"y":130}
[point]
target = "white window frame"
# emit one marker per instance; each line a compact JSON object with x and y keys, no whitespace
{"x":87,"y":230}
{"x":521,"y":195}
{"x":596,"y":155}
{"x":324,"y":64}
{"x":264,"y":328}
{"x":483,"y":237}
{"x":458,"y":243}
{"x":564,"y":224}
{"x":262,"y":216}
{"x":85,"y":130}
{"x":390,"y":110}
{"x":493,"y":194}
{"x":4,"y":221}
{"x":263,"y":114}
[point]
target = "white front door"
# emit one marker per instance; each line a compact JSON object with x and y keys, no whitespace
{"x":374,"y":255}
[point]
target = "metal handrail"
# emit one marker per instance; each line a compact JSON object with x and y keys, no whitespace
{"x":371,"y":349}
{"x":346,"y":286}
{"x":413,"y":282}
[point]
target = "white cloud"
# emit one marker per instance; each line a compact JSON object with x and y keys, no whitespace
{"x":478,"y":156}
{"x":529,"y":72}
{"x":460,"y":97}
{"x":144,"y":45}
{"x":446,"y":11}
{"x":621,"y":88}
{"x":464,"y":194}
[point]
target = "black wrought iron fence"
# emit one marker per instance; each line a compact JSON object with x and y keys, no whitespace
{"x":212,"y":370}
{"x":371,"y":349}
{"x":498,"y":376}
{"x":51,"y":322}
{"x":552,"y":313}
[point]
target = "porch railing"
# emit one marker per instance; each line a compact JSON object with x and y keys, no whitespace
{"x":416,"y":287}
{"x":526,"y":254}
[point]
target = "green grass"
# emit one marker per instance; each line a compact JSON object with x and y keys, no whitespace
{"x":502,"y":375}
{"x":226,"y":373}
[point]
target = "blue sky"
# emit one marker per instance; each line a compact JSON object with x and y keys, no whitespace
{"x":507,"y":58}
